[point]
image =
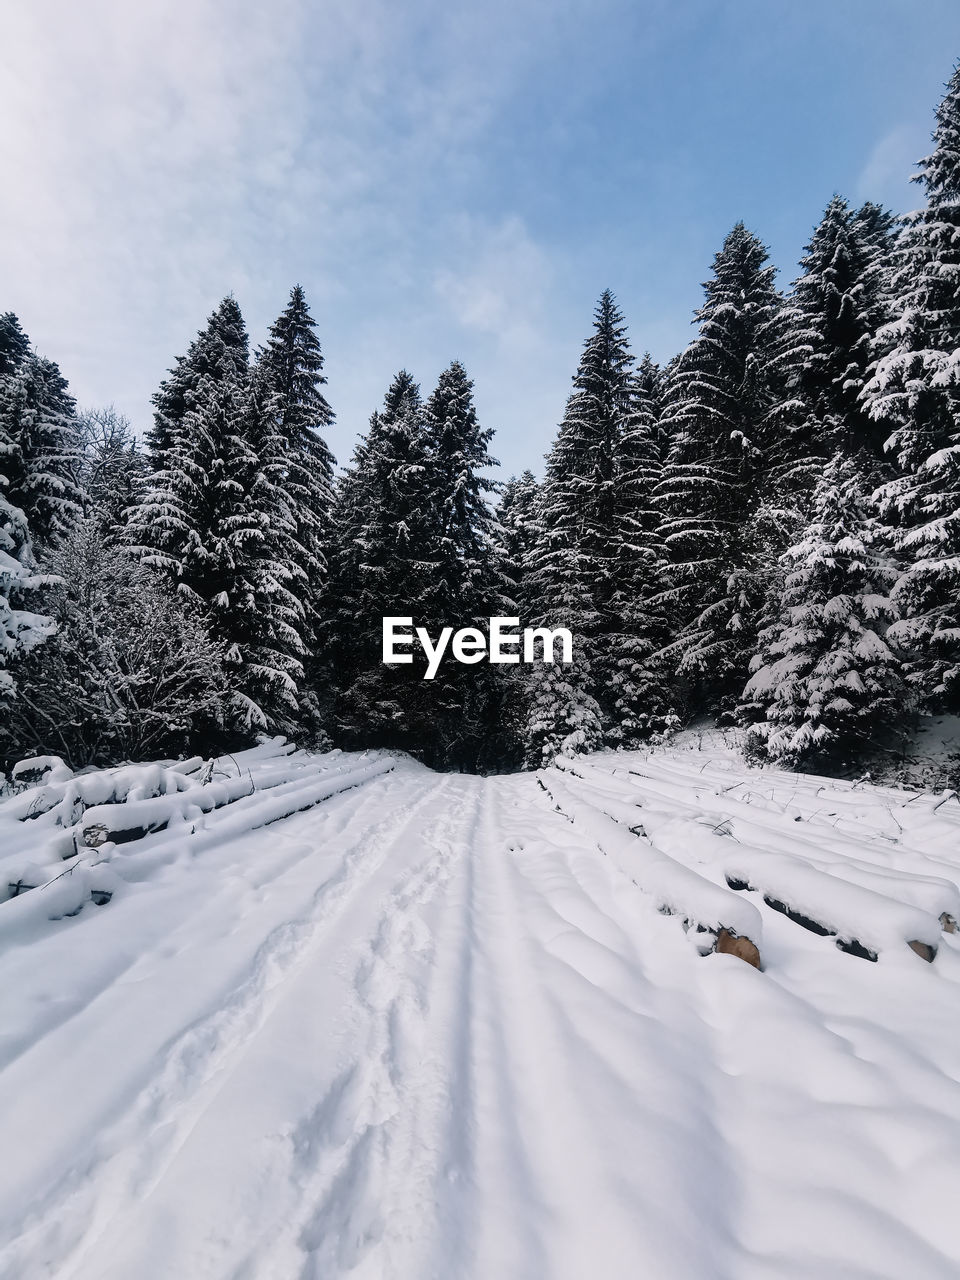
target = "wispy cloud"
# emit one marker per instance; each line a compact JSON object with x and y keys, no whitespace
{"x":500,"y":286}
{"x":885,"y":176}
{"x":162,"y":154}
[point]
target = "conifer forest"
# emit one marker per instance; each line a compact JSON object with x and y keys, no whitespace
{"x":763,"y":531}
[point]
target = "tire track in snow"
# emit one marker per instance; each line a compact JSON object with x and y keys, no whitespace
{"x":132,"y":1153}
{"x":384,"y":1147}
{"x":252,"y":878}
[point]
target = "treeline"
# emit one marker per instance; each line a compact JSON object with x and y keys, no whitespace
{"x":766,"y":530}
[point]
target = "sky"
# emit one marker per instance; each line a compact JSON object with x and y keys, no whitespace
{"x":447,"y":180}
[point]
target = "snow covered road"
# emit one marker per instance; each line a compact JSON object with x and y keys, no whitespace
{"x":428,"y":1030}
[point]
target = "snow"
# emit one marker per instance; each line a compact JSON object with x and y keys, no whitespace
{"x":676,"y":888}
{"x":854,"y":900}
{"x":430,"y":1027}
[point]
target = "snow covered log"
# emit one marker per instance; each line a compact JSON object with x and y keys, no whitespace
{"x":863,"y":921}
{"x":61,"y":797}
{"x":676,"y":889}
{"x":865,"y":907}
{"x":134,"y":819}
{"x":63,"y":802}
{"x":264,"y":807}
{"x":36,"y":769}
{"x":265,"y":786}
{"x":255,"y":800}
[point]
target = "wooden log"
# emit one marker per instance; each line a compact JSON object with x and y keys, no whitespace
{"x":851,"y":946}
{"x":134,"y":819}
{"x":37,"y":769}
{"x":730,"y":944}
{"x":924,"y":950}
{"x":676,"y":888}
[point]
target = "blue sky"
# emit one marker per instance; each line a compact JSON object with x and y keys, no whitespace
{"x":446,"y":180}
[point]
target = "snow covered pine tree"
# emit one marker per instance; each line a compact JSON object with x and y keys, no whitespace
{"x":596,"y":551}
{"x":42,"y":450}
{"x":824,"y":349}
{"x":20,"y":628}
{"x":30,"y":426}
{"x":466,"y":583}
{"x":291,"y":415}
{"x":217,"y":523}
{"x":915,"y":395}
{"x":384,"y":551}
{"x":716,"y":414}
{"x":825,"y":677}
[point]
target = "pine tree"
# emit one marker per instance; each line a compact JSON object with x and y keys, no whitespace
{"x":915,"y":396}
{"x":877,"y":227}
{"x":42,"y":451}
{"x":576,"y":566}
{"x":21,"y":629}
{"x":516,"y":535}
{"x":216,"y":523}
{"x":36,"y":483}
{"x":464,"y":521}
{"x":291,"y":416}
{"x":293,"y":413}
{"x":562,"y":716}
{"x":825,"y":677}
{"x":384,"y":543}
{"x":467,"y":586}
{"x":175,"y":502}
{"x":637,"y":627}
{"x":717,"y":417}
{"x":827,"y":329}
{"x":174,"y":397}
{"x":384,"y":559}
{"x":651,"y":384}
{"x":14,"y":344}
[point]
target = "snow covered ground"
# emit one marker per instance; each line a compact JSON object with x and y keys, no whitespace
{"x":442,"y":1026}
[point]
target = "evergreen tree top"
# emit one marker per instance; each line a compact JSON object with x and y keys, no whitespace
{"x":742,"y":274}
{"x":402,"y":393}
{"x":453,"y":427}
{"x":177,"y":394}
{"x":940,"y":171}
{"x":876,"y":224}
{"x":14,"y":344}
{"x":291,"y":365}
{"x":227,"y":326}
{"x":718,"y":388}
{"x":607,"y":362}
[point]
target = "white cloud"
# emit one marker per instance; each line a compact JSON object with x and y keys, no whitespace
{"x":885,"y":176}
{"x":159,"y":154}
{"x":500,"y":283}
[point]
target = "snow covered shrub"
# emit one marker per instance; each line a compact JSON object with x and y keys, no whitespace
{"x":825,"y":677}
{"x":113,"y":468}
{"x":131,"y":672}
